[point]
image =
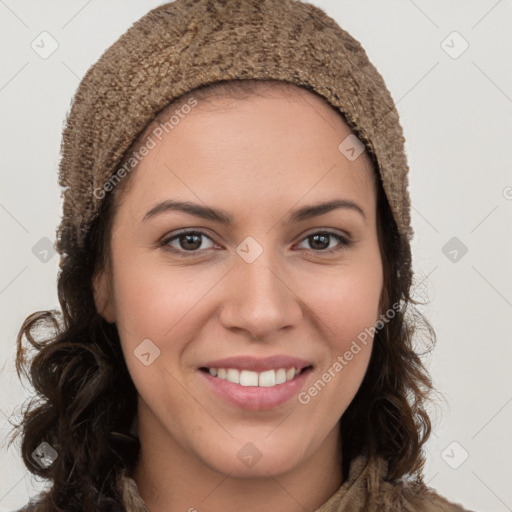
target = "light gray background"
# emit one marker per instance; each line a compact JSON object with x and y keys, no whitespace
{"x":456,"y":114}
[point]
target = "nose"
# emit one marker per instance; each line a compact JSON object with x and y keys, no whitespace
{"x":260,"y":298}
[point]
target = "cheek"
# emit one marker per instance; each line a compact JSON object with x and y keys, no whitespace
{"x":347,"y":299}
{"x":153,"y":301}
{"x":346,"y":304}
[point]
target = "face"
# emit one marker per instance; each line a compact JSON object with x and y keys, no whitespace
{"x":280,"y":280}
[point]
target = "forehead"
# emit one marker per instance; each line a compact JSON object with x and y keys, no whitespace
{"x":283,"y":141}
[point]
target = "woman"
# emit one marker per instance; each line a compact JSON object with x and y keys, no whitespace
{"x":235,"y":277}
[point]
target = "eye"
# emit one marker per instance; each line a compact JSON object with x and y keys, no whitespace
{"x":320,"y":241}
{"x":190,"y":243}
{"x":187,"y":242}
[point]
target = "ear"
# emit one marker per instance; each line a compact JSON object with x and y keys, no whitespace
{"x":103,"y":296}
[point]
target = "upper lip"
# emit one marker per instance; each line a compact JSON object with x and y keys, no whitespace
{"x":257,"y":364}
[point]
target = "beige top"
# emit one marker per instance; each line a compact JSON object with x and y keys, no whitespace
{"x":364,"y":490}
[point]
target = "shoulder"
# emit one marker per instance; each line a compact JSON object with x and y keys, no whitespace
{"x":415,"y":496}
{"x":368,"y":488}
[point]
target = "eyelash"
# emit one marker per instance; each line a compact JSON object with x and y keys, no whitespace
{"x":345,"y":243}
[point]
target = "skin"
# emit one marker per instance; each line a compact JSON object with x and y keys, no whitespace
{"x":257,"y":159}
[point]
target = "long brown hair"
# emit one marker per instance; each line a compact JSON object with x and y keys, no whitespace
{"x":85,"y":400}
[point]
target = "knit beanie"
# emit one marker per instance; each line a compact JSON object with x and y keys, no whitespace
{"x":184,"y":44}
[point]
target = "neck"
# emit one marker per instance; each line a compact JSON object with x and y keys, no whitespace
{"x":171,"y":478}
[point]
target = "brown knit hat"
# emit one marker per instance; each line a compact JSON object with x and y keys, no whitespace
{"x":187,"y":43}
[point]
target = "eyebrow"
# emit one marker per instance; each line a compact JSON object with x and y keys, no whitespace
{"x":216,"y":215}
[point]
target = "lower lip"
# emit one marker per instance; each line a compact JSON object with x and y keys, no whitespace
{"x":255,"y":398}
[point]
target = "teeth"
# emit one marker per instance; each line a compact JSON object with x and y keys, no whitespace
{"x":265,"y":379}
{"x":247,"y":378}
{"x":281,"y":375}
{"x":233,"y":375}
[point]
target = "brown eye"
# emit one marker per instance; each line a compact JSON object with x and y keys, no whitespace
{"x":190,"y":241}
{"x":321,"y":241}
{"x":187,"y":241}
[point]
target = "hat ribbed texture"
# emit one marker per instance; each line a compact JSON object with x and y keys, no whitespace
{"x":187,"y":43}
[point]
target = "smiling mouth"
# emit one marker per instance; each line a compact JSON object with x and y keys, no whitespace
{"x":248,"y":378}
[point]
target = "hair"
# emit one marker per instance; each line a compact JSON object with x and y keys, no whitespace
{"x":85,"y":401}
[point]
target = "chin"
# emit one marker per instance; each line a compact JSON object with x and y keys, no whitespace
{"x":256,"y":459}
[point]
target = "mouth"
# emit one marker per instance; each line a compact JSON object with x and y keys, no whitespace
{"x":254,"y":391}
{"x":248,"y":378}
